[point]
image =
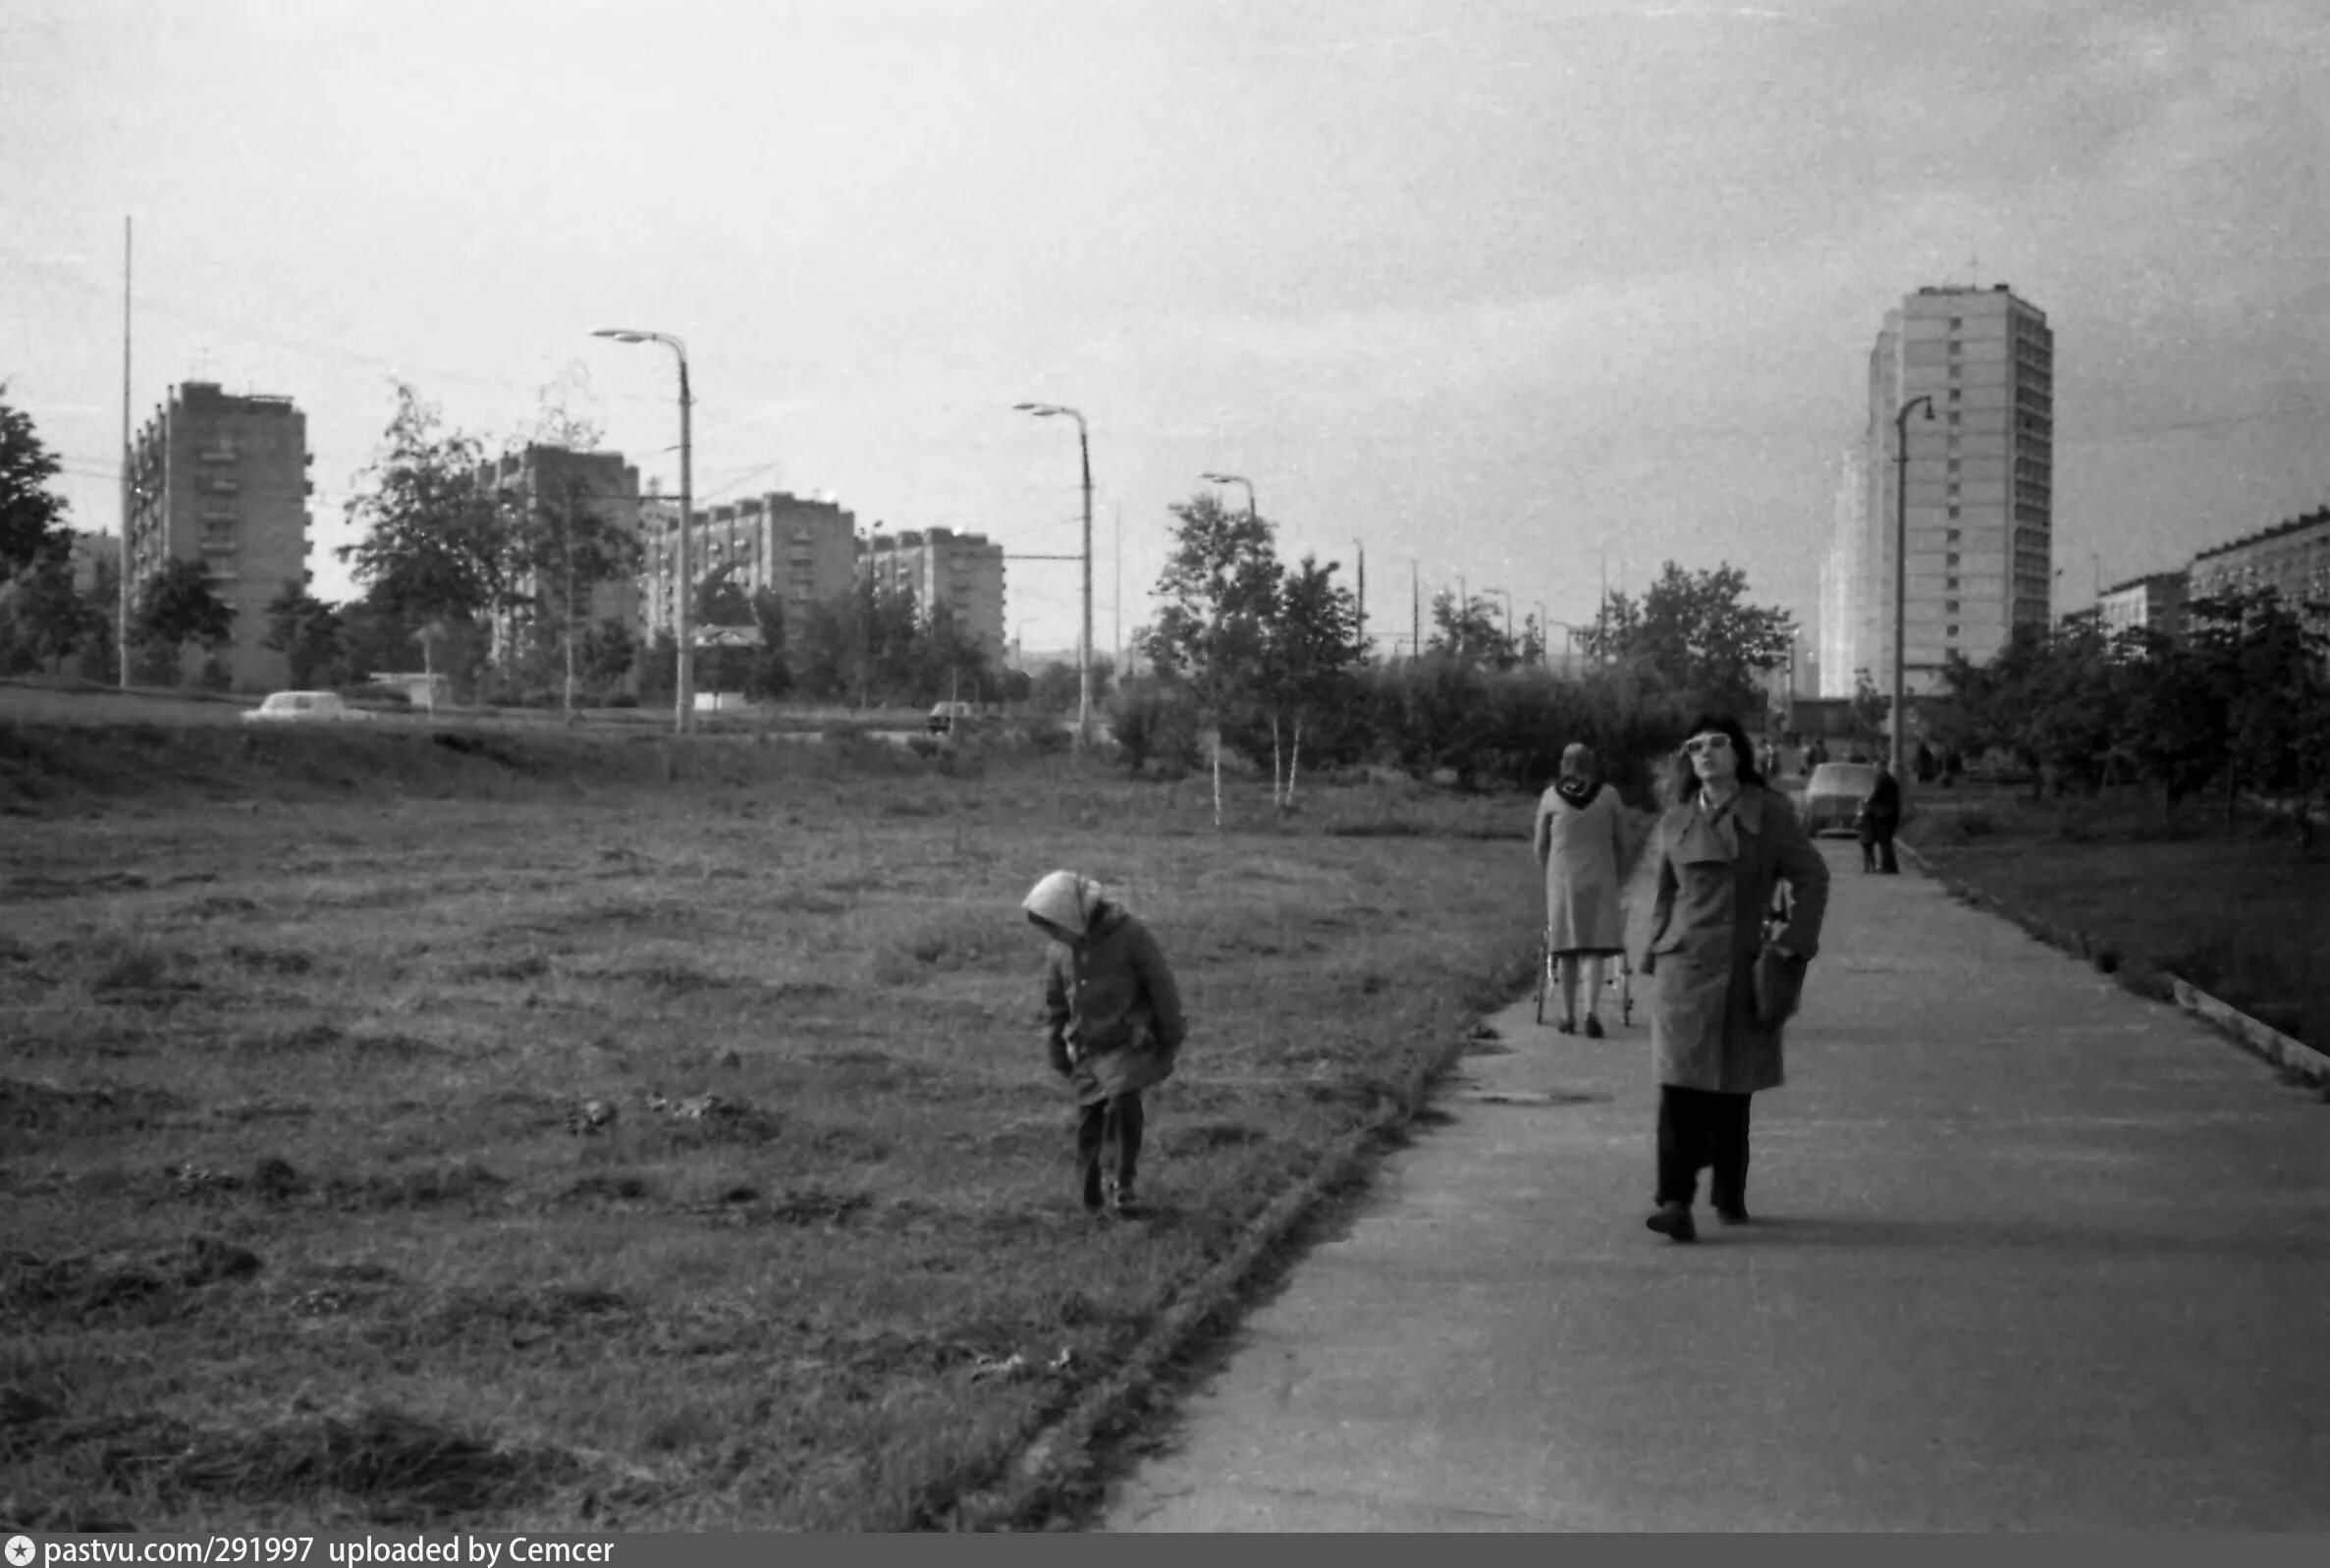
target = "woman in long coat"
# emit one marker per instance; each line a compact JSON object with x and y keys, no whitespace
{"x":1577,"y":841}
{"x":1722,"y":848}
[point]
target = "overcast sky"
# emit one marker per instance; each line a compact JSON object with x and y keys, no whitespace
{"x":1494,"y":288}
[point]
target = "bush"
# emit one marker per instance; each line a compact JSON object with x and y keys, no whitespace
{"x":622,"y":699}
{"x":1047,"y":737}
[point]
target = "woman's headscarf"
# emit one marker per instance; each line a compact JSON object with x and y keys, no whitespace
{"x":1581,"y":775}
{"x":1065,"y":899}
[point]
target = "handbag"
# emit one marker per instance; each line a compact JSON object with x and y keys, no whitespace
{"x":1779,"y":986}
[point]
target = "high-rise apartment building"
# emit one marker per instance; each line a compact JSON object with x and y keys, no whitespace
{"x":2155,"y":602}
{"x":964,"y":572}
{"x":1978,"y":365}
{"x":223,"y":479}
{"x":1845,"y":630}
{"x":802,"y":548}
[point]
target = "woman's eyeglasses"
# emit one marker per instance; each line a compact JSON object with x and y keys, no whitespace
{"x":1699,"y":744}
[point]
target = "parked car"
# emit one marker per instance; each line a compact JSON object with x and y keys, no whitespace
{"x":303,"y":707}
{"x":1832,"y":795}
{"x":951,"y":718}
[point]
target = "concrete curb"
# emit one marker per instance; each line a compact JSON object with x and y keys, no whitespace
{"x":2261,"y":1038}
{"x":1060,"y":1455}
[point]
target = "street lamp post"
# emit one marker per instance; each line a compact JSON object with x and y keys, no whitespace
{"x":1234,"y":479}
{"x":1360,"y":545}
{"x":1900,"y":568}
{"x":1046,"y":411}
{"x":683,"y":695}
{"x":1544,"y":658}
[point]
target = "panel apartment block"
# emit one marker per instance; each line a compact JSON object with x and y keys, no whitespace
{"x":1979,"y":480}
{"x":2291,"y":557}
{"x":963,"y":571}
{"x":2156,"y":601}
{"x":223,"y":479}
{"x":600,"y":482}
{"x":802,"y":548}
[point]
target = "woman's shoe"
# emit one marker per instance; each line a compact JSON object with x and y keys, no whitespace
{"x":1567,"y":1026}
{"x":1673,"y":1222}
{"x":1592,"y":1027}
{"x":1736,"y":1214}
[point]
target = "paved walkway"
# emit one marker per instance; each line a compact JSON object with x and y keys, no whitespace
{"x":2030,"y":1254}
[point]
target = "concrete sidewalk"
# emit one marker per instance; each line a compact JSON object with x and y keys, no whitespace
{"x":2030,"y":1254}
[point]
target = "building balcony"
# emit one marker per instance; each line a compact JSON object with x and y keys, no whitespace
{"x":219,"y":484}
{"x":218,"y":545}
{"x":216,"y":452}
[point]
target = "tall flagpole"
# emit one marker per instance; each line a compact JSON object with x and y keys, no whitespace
{"x":121,"y":616}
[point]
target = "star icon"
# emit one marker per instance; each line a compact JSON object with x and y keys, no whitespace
{"x":20,"y":1550}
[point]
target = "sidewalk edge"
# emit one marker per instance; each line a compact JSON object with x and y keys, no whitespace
{"x":1061,"y":1454}
{"x":2260,"y":1037}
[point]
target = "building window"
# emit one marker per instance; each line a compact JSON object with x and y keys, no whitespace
{"x":1953,"y":420}
{"x":1950,"y":605}
{"x":1950,"y":559}
{"x":1953,"y":512}
{"x":1954,"y":532}
{"x":1953,"y":487}
{"x":1955,"y":323}
{"x":1948,"y":631}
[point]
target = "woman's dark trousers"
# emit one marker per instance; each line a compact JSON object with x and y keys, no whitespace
{"x":1116,"y":1120}
{"x":1699,"y":1128}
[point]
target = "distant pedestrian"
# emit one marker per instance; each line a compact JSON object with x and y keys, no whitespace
{"x":1880,"y":818}
{"x":1113,"y":1025}
{"x":1577,"y":840}
{"x":1721,"y":987}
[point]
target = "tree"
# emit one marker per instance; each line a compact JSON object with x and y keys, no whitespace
{"x":1220,"y":588}
{"x":770,"y":676}
{"x":564,"y":545}
{"x":1869,"y":707}
{"x":609,"y":650}
{"x":51,"y":616}
{"x":1694,"y":635}
{"x":1312,"y":647}
{"x":100,"y":653}
{"x":32,"y":527}
{"x":303,"y":630}
{"x":178,"y":606}
{"x":1469,"y":633}
{"x":435,"y":542}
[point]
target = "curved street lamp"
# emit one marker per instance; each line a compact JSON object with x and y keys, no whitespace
{"x":1049,"y":410}
{"x":683,"y":693}
{"x":1234,"y":479}
{"x":1901,"y":566}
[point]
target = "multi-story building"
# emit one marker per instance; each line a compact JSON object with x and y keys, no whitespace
{"x":1847,"y":602}
{"x":964,"y":572}
{"x":2291,"y":558}
{"x":223,"y":479}
{"x":2156,"y":601}
{"x":801,"y":547}
{"x":544,"y":480}
{"x":1978,"y":363}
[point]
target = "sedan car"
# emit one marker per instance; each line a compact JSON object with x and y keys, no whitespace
{"x":303,"y":707}
{"x":1832,"y":795}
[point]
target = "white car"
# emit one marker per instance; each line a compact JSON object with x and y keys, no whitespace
{"x":303,"y":707}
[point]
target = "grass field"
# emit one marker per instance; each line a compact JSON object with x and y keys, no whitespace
{"x":2244,"y":917}
{"x":299,"y":1029}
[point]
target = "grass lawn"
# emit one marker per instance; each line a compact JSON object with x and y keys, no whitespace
{"x":2244,"y":917}
{"x":299,"y":1029}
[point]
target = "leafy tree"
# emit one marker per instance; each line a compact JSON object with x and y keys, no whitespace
{"x":1693,"y":634}
{"x":564,"y":545}
{"x":52,"y":619}
{"x":609,"y":650}
{"x":770,"y":676}
{"x":1220,"y":593}
{"x":659,"y":672}
{"x":1470,"y":633}
{"x":32,"y":518}
{"x":1869,"y":707}
{"x":1309,"y":654}
{"x":178,"y":606}
{"x":305,"y":630}
{"x":435,"y":544}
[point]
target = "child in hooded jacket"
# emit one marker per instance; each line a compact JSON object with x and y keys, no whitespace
{"x":1113,"y":1025}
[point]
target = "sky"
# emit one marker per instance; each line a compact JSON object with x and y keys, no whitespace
{"x":1517,"y":293}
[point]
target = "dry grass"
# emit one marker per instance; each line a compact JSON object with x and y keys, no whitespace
{"x":2244,"y":917}
{"x":517,"y":1152}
